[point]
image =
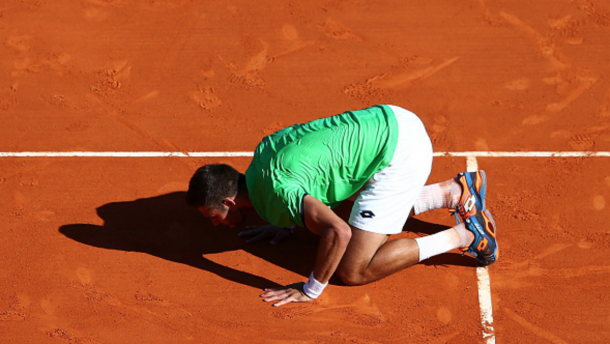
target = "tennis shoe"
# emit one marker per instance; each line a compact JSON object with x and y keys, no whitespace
{"x":484,"y":247}
{"x":472,"y":200}
{"x":478,"y":220}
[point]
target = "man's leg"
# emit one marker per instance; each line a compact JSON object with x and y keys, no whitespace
{"x":443,"y":195}
{"x":465,"y":195}
{"x":370,"y":257}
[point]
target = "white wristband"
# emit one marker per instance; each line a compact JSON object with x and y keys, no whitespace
{"x":313,"y":288}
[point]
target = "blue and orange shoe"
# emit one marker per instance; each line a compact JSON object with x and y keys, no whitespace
{"x":478,"y":220}
{"x":474,"y":187}
{"x":484,"y":247}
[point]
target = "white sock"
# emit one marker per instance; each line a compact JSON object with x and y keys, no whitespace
{"x":435,"y":196}
{"x":431,"y":197}
{"x":441,"y":242}
{"x":445,"y":195}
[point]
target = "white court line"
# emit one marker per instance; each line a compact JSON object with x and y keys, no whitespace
{"x":109,"y":154}
{"x":487,"y":319}
{"x":123,"y":154}
{"x":540,"y":154}
{"x":483,"y":281}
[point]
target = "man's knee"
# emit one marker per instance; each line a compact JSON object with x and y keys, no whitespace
{"x":351,"y":277}
{"x":361,"y":249}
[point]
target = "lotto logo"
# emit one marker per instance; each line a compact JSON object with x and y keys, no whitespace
{"x":470,"y":204}
{"x":367,"y":214}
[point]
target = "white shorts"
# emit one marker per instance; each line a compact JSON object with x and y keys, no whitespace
{"x":386,"y":200}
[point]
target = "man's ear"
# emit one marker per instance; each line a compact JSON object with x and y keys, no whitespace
{"x":229,"y":202}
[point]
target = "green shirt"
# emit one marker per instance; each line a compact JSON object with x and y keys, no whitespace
{"x":329,"y":158}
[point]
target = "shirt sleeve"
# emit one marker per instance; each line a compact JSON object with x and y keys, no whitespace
{"x":289,"y":212}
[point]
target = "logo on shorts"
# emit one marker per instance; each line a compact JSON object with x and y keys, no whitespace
{"x":367,"y":214}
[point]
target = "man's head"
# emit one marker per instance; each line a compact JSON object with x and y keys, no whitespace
{"x":214,"y":191}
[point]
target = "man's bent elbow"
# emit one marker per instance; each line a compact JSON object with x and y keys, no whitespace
{"x":343,"y":234}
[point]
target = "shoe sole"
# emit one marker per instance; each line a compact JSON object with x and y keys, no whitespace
{"x":488,"y":232}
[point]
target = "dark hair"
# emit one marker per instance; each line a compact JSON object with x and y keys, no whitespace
{"x":211,"y":184}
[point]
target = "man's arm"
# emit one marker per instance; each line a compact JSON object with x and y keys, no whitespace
{"x":334,"y":234}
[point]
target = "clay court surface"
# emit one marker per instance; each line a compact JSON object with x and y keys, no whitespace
{"x":104,"y":250}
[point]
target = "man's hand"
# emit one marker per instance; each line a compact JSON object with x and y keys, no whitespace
{"x":287,"y":294}
{"x":264,"y":232}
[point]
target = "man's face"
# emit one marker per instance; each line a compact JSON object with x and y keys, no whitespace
{"x":228,"y":216}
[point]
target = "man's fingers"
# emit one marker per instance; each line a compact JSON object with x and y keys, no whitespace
{"x":283,"y":302}
{"x":259,"y":237}
{"x":251,"y":231}
{"x":278,"y":291}
{"x":293,"y":296}
{"x":275,"y":295}
{"x":284,"y":296}
{"x":262,"y":232}
{"x":281,"y":235}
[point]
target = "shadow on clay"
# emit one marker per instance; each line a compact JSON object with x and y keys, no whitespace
{"x":165,"y":227}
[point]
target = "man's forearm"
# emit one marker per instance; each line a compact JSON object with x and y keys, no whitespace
{"x":333,"y":243}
